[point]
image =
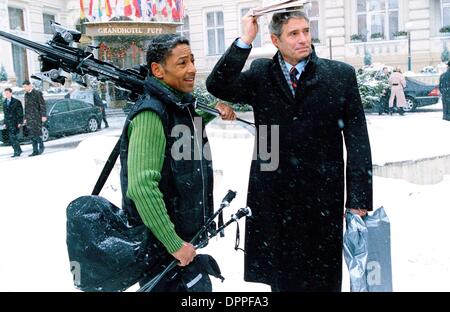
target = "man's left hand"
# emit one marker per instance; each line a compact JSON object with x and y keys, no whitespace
{"x":359,"y":211}
{"x":226,"y":112}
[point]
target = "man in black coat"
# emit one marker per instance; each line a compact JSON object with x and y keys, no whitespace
{"x":35,"y":116}
{"x":444,"y":88}
{"x":13,"y":112}
{"x":99,"y":103}
{"x":309,"y":104}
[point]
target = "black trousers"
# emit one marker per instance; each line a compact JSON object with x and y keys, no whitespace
{"x":38,"y":144}
{"x":104,"y":118}
{"x":12,"y":135}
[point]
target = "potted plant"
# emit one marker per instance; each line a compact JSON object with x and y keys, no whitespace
{"x":445,"y":30}
{"x":356,"y":37}
{"x":315,"y":40}
{"x":401,"y":34}
{"x":376,"y":36}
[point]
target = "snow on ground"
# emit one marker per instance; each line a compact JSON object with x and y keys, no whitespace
{"x":414,"y":136}
{"x":34,"y":194}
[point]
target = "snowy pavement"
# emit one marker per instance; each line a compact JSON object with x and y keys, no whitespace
{"x":34,"y":193}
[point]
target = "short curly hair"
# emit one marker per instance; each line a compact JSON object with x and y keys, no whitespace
{"x":160,"y":47}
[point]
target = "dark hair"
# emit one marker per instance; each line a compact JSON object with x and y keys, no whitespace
{"x":8,"y":89}
{"x":26,"y":82}
{"x":160,"y":47}
{"x":279,"y":19}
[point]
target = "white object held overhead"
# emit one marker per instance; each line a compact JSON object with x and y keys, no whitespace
{"x":281,"y":6}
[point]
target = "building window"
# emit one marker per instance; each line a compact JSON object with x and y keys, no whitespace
{"x":183,"y":30}
{"x":257,"y":42}
{"x":47,"y":26}
{"x":16,"y":20}
{"x":20,"y":63}
{"x":377,"y":17}
{"x":445,"y":12}
{"x":216,"y":33}
{"x":313,"y":15}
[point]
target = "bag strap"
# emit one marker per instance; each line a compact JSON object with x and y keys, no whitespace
{"x":107,"y":169}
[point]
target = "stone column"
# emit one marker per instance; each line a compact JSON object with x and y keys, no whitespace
{"x":419,"y":17}
{"x":5,"y":46}
{"x":334,"y":28}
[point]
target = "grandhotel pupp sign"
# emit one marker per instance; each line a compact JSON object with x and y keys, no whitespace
{"x":127,"y":29}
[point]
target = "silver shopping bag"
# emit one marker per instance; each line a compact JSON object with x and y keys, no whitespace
{"x":367,"y":252}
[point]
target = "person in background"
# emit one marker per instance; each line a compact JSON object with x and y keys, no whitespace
{"x":13,"y":112}
{"x":99,"y":103}
{"x":398,"y":84}
{"x":384,"y":99}
{"x":444,"y":88}
{"x":35,"y":116}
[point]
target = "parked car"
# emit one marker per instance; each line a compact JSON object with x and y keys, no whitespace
{"x":65,"y":116}
{"x":419,"y":94}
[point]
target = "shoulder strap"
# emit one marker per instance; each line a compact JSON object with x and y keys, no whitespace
{"x":107,"y":169}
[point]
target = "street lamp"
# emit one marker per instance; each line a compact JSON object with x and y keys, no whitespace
{"x":408,"y":28}
{"x":330,"y":33}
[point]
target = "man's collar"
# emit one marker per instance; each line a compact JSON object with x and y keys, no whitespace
{"x":300,"y":65}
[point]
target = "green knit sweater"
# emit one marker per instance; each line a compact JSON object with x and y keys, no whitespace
{"x":147,"y":145}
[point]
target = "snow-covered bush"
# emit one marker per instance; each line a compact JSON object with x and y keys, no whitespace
{"x":3,"y":74}
{"x":429,"y":70}
{"x":372,"y":85}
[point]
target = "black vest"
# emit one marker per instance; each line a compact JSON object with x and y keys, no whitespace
{"x":186,"y":184}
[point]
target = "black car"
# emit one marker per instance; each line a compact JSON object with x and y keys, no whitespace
{"x":66,"y":116}
{"x":420,"y":94}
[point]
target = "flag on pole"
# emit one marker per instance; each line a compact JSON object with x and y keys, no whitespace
{"x":162,"y":7}
{"x":81,"y":10}
{"x":180,"y":8}
{"x":127,"y":9}
{"x":177,"y":9}
{"x":137,"y":8}
{"x":150,"y":8}
{"x":171,"y":5}
{"x":119,"y":7}
{"x":91,"y":5}
{"x":108,"y":8}
{"x":99,"y":9}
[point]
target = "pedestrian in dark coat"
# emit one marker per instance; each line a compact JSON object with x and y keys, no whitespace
{"x":35,"y":115}
{"x":99,"y":103}
{"x":294,"y":240}
{"x":13,"y":111}
{"x":444,"y":88}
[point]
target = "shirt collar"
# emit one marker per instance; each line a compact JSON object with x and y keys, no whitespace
{"x":300,"y":66}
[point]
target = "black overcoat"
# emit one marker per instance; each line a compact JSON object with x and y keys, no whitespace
{"x":444,"y":88}
{"x":13,"y":114}
{"x":35,"y":109}
{"x":294,"y":240}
